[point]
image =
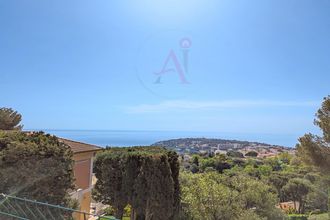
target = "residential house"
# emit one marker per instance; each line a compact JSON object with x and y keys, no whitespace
{"x":83,"y":172}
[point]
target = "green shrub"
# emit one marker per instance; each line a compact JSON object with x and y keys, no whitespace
{"x":109,"y":211}
{"x":36,"y":166}
{"x":298,"y":217}
{"x":235,"y":154}
{"x":251,"y":154}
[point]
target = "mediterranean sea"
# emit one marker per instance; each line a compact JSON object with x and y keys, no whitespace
{"x":126,"y":138}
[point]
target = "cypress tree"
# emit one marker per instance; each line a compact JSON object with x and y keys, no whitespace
{"x":144,"y":177}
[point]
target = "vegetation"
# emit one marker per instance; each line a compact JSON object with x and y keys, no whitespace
{"x":235,"y":154}
{"x":251,"y":154}
{"x":298,"y":217}
{"x":222,"y":187}
{"x":213,"y":196}
{"x":314,"y":150}
{"x":35,"y":166}
{"x":110,"y":211}
{"x":10,"y":119}
{"x":280,"y":179}
{"x":296,"y":190}
{"x":323,"y":216}
{"x":233,"y":187}
{"x":145,"y":178}
{"x":211,"y":142}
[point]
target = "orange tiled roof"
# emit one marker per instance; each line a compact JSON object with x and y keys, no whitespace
{"x":79,"y":147}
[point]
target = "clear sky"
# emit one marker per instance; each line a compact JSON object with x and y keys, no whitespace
{"x":258,"y":67}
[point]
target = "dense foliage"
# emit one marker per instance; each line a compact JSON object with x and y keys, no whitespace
{"x":145,"y":178}
{"x":251,"y":154}
{"x":268,"y":181}
{"x":10,"y":119}
{"x":235,"y":154}
{"x":35,"y":166}
{"x":213,"y":196}
{"x":315,"y":150}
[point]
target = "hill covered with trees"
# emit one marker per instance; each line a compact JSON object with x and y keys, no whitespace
{"x":214,"y":146}
{"x":208,"y":142}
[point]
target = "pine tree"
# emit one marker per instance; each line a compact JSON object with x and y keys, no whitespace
{"x":10,"y":119}
{"x":315,"y":150}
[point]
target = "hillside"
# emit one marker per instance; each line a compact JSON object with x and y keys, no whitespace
{"x":197,"y":145}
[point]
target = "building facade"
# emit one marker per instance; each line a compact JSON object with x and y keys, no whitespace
{"x":83,"y":172}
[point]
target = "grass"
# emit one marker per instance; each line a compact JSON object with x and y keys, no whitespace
{"x":323,"y":216}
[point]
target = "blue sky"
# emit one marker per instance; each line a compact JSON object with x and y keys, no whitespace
{"x":259,"y":67}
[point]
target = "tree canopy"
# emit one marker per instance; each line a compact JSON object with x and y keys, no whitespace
{"x":251,"y":154}
{"x":214,"y":196}
{"x":146,"y":178}
{"x":10,"y":119}
{"x":235,"y":154}
{"x":35,"y":166}
{"x":313,"y":149}
{"x":296,"y":190}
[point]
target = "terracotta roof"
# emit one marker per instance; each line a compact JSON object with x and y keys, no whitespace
{"x":79,"y":147}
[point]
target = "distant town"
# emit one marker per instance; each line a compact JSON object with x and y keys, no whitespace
{"x":187,"y":146}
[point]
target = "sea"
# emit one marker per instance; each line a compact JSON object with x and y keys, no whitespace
{"x":127,"y":138}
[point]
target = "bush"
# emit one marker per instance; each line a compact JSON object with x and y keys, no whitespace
{"x":251,"y":154}
{"x":235,"y":154}
{"x":36,"y":166}
{"x":298,"y":217}
{"x":109,"y":211}
{"x":194,"y":168}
